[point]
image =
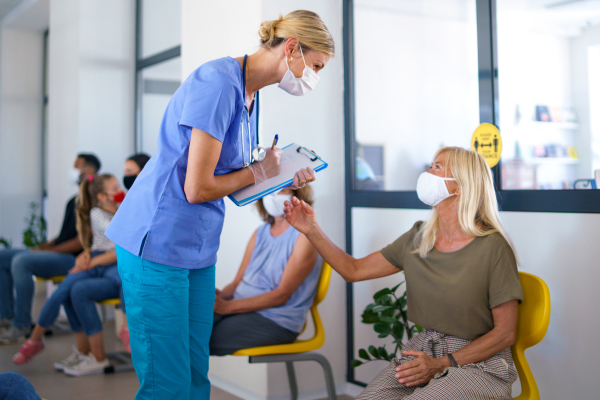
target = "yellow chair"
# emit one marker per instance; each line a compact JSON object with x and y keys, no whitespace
{"x":55,"y":279}
{"x":300,"y":350}
{"x":534,"y":317}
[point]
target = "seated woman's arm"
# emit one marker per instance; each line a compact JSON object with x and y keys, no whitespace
{"x":227,"y":292}
{"x":298,"y":267}
{"x":302,"y":217}
{"x":503,"y":335}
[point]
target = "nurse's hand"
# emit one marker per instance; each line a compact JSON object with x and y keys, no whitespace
{"x":302,"y":177}
{"x":267,"y":168}
{"x":300,"y":215}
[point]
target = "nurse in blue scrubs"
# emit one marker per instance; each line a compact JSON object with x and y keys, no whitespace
{"x":167,"y":230}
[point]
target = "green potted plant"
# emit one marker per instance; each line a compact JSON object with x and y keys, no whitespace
{"x":35,"y":233}
{"x":389,"y":317}
{"x":5,"y":243}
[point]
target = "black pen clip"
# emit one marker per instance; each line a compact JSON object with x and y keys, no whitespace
{"x":315,"y":158}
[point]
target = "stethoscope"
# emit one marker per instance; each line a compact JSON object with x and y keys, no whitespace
{"x":258,"y":153}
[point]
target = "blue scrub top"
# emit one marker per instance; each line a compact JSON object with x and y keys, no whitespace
{"x":155,"y":221}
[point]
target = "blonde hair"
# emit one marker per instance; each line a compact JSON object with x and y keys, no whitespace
{"x":88,"y":199}
{"x":304,"y":194}
{"x":477,"y":204}
{"x":304,"y":25}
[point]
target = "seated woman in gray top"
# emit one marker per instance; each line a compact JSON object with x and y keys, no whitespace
{"x":462,"y":286}
{"x":268,"y":300}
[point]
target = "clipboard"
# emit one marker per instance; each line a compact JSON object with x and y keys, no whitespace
{"x":294,"y":158}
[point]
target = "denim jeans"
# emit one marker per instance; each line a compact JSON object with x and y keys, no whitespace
{"x":17,"y":268}
{"x":15,"y":387}
{"x":78,"y":293}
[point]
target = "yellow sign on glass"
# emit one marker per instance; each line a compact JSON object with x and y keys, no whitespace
{"x":486,"y":141}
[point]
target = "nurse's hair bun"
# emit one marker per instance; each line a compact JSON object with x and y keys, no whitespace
{"x":304,"y":25}
{"x":267,"y":31}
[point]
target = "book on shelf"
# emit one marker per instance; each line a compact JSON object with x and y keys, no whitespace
{"x":555,"y":114}
{"x":568,"y":115}
{"x":542,"y":114}
{"x":572,"y":152}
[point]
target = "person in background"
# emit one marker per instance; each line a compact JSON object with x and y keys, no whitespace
{"x":462,"y":286}
{"x":133,"y":167}
{"x":267,"y":302}
{"x":56,"y":257}
{"x":15,"y":387}
{"x":93,"y":278}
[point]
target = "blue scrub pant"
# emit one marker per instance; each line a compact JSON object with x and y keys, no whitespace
{"x":170,"y":316}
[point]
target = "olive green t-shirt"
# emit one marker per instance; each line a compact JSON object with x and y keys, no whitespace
{"x":454,"y":292}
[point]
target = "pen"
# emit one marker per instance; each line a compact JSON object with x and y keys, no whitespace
{"x":275,"y":142}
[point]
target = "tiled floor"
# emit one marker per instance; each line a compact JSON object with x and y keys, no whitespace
{"x":53,"y":385}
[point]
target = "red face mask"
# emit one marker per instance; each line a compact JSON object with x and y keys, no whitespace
{"x":119,"y":197}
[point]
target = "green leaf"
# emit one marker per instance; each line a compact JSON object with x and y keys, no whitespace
{"x":370,"y":317}
{"x":381,"y":293}
{"x":362,"y":353}
{"x":382,"y":328}
{"x":379,"y":309}
{"x":370,"y":306}
{"x":373,"y":351}
{"x":398,"y":330}
{"x":389,"y":313}
{"x":355,"y":363}
{"x":388,"y":320}
{"x":419,"y":329}
{"x":396,"y":287}
{"x":383,"y":353}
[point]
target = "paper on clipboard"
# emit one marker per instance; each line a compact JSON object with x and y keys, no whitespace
{"x":293,"y":159}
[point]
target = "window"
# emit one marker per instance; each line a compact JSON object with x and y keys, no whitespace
{"x":548,"y":62}
{"x":158,"y":66}
{"x":416,"y":86}
{"x":419,"y":75}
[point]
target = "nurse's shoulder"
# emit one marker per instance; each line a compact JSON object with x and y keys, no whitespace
{"x":222,"y":72}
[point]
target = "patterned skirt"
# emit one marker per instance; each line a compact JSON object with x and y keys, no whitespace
{"x":489,"y":379}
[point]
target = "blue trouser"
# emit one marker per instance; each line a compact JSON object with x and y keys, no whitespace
{"x":78,"y":293}
{"x":17,"y":268}
{"x":15,"y":387}
{"x":170,"y":315}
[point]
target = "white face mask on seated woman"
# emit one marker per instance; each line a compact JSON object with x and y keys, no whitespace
{"x":432,"y":189}
{"x":273,"y":203}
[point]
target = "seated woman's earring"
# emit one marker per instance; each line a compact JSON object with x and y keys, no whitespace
{"x":290,"y":60}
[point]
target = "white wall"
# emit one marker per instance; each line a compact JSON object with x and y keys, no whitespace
{"x":561,"y":249}
{"x":315,"y":120}
{"x":91,"y":91}
{"x":20,"y":128}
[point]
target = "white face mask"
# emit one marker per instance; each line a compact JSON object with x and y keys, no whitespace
{"x":299,"y":86}
{"x":432,"y":189}
{"x":274,"y":204}
{"x":75,"y":176}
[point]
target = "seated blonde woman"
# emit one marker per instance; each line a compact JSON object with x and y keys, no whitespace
{"x":461,"y":280}
{"x":268,"y":300}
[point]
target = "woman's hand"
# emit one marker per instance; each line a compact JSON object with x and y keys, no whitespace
{"x":227,"y":292}
{"x":300,"y":215}
{"x":267,"y":168}
{"x":82,"y":262}
{"x":221,"y":305}
{"x":419,"y":371}
{"x":302,"y":177}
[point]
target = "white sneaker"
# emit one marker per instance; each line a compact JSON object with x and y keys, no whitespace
{"x":70,"y":361}
{"x":86,"y":366}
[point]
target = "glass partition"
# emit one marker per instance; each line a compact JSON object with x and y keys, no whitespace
{"x":160,"y":26}
{"x":416,"y":86}
{"x":549,"y":85}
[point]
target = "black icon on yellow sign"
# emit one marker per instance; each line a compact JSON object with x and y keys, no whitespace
{"x":487,"y":141}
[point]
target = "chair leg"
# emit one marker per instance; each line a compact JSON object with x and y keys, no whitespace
{"x":290,"y":358}
{"x":292,"y":379}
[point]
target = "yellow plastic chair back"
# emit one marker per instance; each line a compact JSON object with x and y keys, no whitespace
{"x":300,"y":346}
{"x":55,"y":279}
{"x":534,"y":317}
